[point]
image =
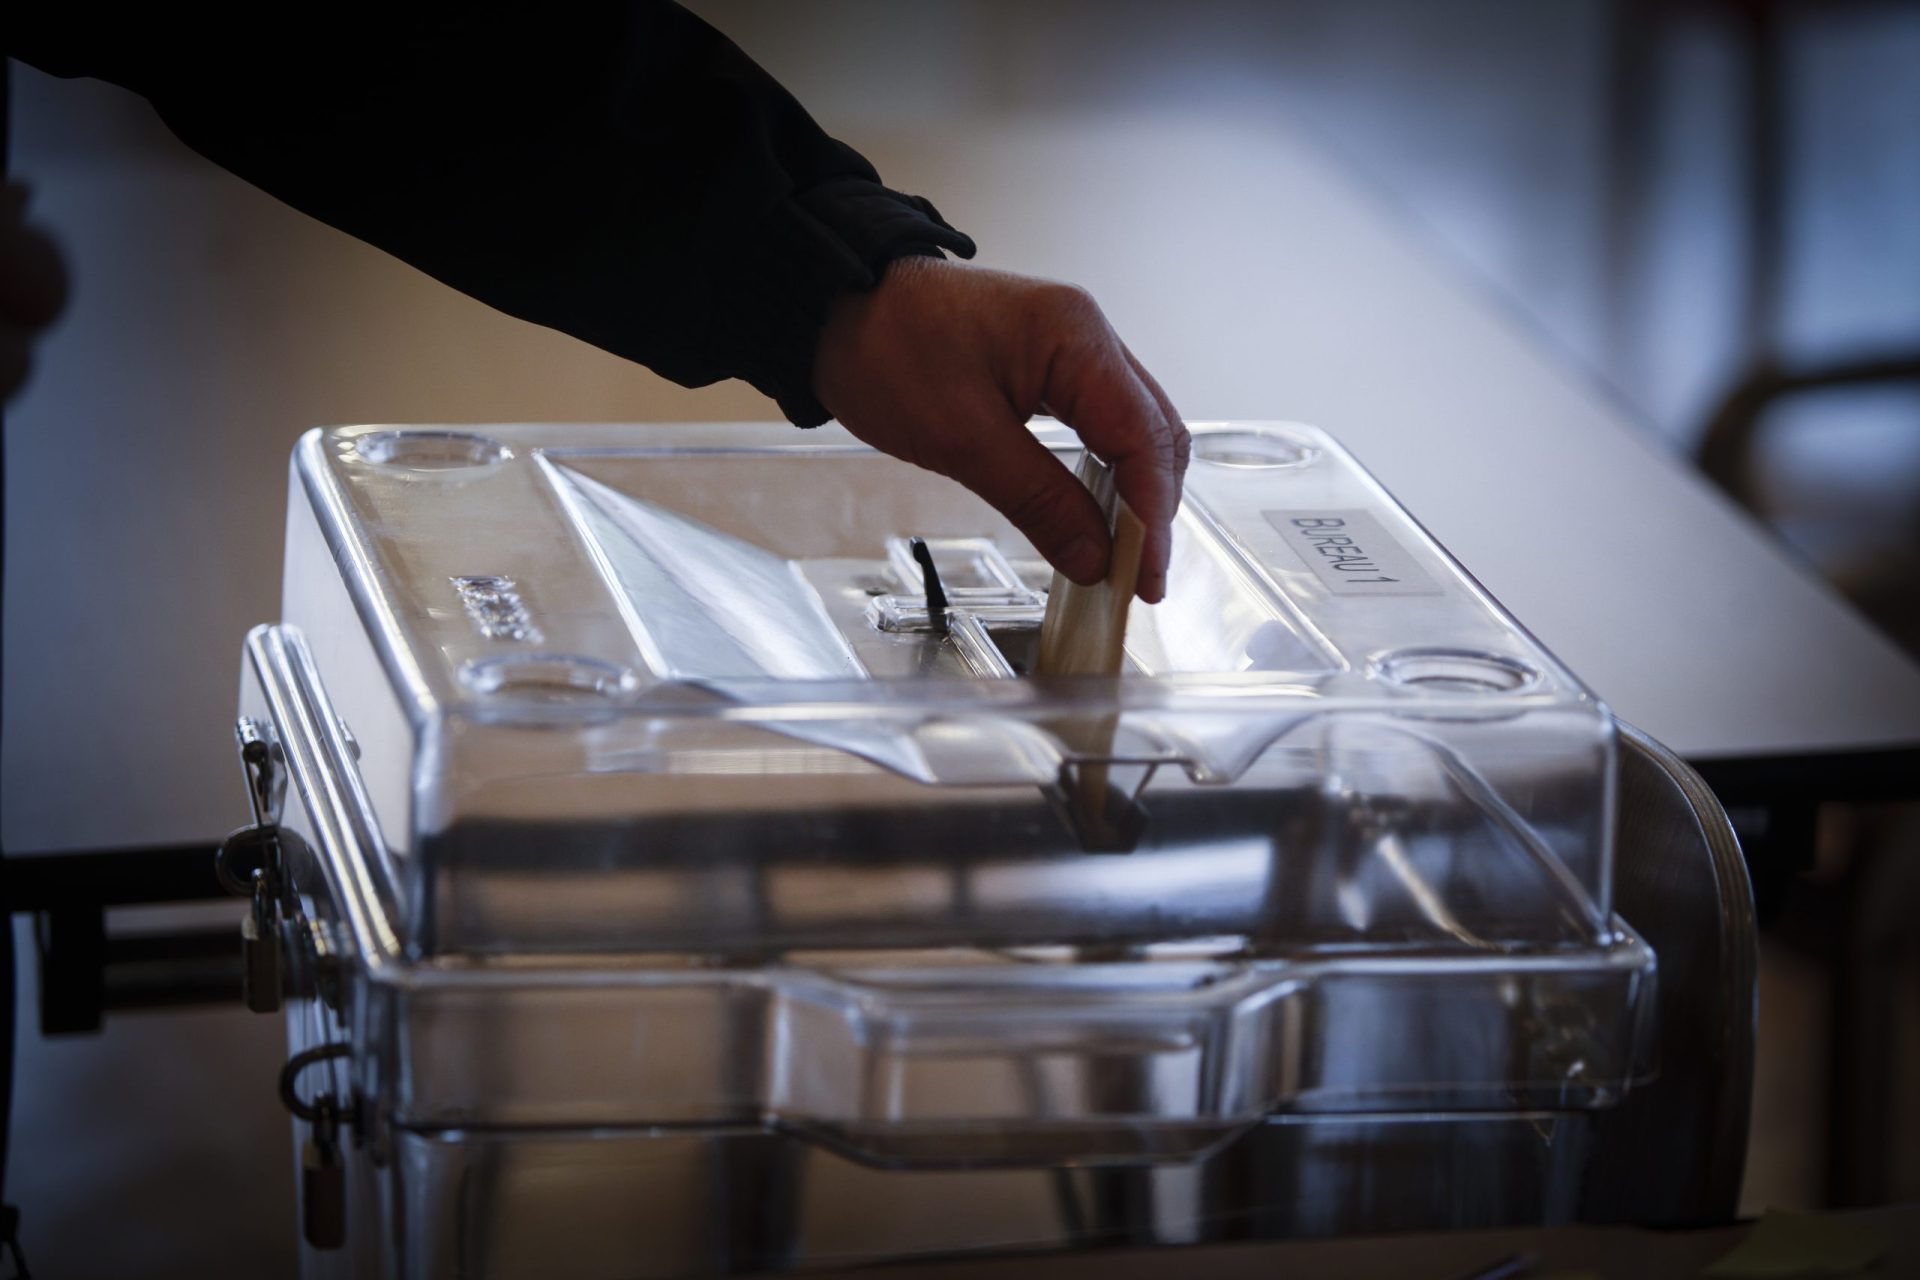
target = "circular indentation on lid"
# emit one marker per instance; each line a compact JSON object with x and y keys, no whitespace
{"x":1445,"y":670}
{"x":559,"y":679}
{"x":429,"y":450}
{"x":1253,"y":448}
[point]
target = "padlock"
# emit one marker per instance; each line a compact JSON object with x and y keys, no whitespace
{"x":245,"y":851}
{"x":323,"y":1179}
{"x":260,"y":950}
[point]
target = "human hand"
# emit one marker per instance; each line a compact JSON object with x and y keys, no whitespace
{"x":33,"y":288}
{"x":942,"y":365}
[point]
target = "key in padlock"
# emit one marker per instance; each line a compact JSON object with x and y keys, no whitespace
{"x":260,"y":951}
{"x":323,"y":1179}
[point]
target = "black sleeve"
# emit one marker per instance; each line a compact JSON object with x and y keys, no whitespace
{"x":619,"y":172}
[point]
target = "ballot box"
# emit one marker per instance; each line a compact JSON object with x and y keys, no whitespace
{"x":663,"y":871}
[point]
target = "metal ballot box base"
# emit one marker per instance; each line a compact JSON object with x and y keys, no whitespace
{"x":620,"y":1205}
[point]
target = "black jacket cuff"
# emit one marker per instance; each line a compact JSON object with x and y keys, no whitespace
{"x":829,"y":240}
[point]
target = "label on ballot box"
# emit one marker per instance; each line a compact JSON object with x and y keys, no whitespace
{"x":1352,"y":553}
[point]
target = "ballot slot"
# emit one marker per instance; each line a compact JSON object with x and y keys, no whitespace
{"x":971,"y":570}
{"x":710,"y":595}
{"x":1096,"y":793}
{"x":1219,"y":615}
{"x":970,"y":595}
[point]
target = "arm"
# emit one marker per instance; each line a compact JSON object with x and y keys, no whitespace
{"x":625,"y":174}
{"x":619,"y":172}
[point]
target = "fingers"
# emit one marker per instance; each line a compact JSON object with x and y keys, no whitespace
{"x":1159,"y":549}
{"x":1025,"y":482}
{"x":942,"y":364}
{"x":1182,"y":440}
{"x":1096,"y":387}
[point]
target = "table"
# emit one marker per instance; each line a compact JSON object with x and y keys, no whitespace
{"x":1604,"y":1253}
{"x":1257,"y":280}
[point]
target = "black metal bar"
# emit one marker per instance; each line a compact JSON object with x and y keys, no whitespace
{"x":1862,"y":1022}
{"x":84,"y":972}
{"x":1775,"y":801}
{"x":1890,"y":775}
{"x":73,"y":943}
{"x":40,"y":882}
{"x":160,"y":971}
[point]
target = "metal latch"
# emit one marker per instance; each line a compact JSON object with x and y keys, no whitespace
{"x":251,"y":864}
{"x":261,"y":762}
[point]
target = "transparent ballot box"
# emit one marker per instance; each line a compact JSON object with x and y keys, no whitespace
{"x":665,"y":888}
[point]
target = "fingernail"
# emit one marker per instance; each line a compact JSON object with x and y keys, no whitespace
{"x":1152,"y":586}
{"x":1084,"y":560}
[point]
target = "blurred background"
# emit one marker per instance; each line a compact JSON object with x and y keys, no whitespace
{"x":1696,"y":218}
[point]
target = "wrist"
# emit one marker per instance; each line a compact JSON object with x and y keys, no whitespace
{"x":856,"y":313}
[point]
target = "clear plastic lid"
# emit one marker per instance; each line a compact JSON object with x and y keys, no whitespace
{"x":678,"y":688}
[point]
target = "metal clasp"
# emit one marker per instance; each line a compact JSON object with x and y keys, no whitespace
{"x":264,"y":767}
{"x":251,"y":864}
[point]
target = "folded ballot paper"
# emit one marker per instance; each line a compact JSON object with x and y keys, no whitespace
{"x":1084,"y":633}
{"x":1086,"y":627}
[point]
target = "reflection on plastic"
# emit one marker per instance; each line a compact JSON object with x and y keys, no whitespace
{"x":714,"y":605}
